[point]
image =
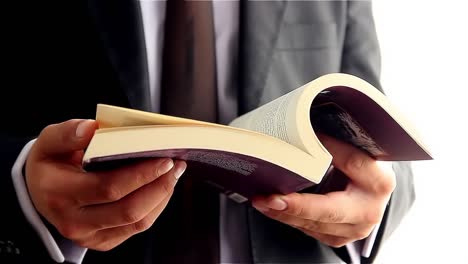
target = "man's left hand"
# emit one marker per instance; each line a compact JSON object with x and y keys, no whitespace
{"x":340,"y":217}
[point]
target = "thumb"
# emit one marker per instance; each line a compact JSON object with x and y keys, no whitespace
{"x":66,"y":137}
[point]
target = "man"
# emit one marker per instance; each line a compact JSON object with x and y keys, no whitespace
{"x":64,"y":57}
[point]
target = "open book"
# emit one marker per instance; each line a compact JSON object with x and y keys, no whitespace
{"x":272,"y":149}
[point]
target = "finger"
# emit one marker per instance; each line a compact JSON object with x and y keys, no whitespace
{"x":109,"y":238}
{"x":111,"y":186}
{"x":65,"y":137}
{"x":135,"y":206}
{"x":359,"y":167}
{"x":342,"y":229}
{"x":351,"y":231}
{"x":333,"y":241}
{"x":68,"y":181}
{"x":328,"y":208}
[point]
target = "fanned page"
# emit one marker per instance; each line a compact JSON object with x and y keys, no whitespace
{"x":350,"y":109}
{"x":113,"y":116}
{"x":269,"y":119}
{"x":279,"y":118}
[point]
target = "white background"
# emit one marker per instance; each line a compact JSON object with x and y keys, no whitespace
{"x":425,"y":69}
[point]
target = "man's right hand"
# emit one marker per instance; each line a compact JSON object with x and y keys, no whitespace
{"x":97,"y":210}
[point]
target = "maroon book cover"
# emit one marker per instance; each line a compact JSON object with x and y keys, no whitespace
{"x":239,"y":176}
{"x":351,"y":116}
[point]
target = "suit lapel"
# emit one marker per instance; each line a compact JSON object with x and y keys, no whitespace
{"x":259,"y":27}
{"x":120,"y":26}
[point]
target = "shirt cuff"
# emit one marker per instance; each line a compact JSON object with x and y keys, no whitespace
{"x":64,"y":249}
{"x":362,"y":248}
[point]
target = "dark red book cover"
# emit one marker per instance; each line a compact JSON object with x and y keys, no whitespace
{"x":239,"y":176}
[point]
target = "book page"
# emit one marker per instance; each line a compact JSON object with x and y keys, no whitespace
{"x":279,"y":119}
{"x":270,"y":119}
{"x":113,"y":116}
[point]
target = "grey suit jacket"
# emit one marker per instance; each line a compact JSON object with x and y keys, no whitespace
{"x":97,"y":48}
{"x":287,"y":44}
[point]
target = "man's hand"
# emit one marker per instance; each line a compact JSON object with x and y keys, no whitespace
{"x":339,"y":217}
{"x":96,"y":210}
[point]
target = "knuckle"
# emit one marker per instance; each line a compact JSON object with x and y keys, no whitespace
{"x":336,"y":242}
{"x":47,"y":130}
{"x":386,"y":185}
{"x":312,"y":226}
{"x":372,"y":216}
{"x":104,"y":246}
{"x":83,"y":243}
{"x":58,"y":127}
{"x":361,"y":234}
{"x":296,"y":208}
{"x":143,"y":225}
{"x":88,"y":242}
{"x":69,"y":230}
{"x":110,"y":192}
{"x":332,"y":216}
{"x":333,"y":243}
{"x":130,"y":214}
{"x":143,"y":176}
{"x":355,"y":163}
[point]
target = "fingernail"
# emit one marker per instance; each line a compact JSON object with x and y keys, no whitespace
{"x":165,"y":167}
{"x":82,"y":127}
{"x":179,"y":169}
{"x":277,"y":204}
